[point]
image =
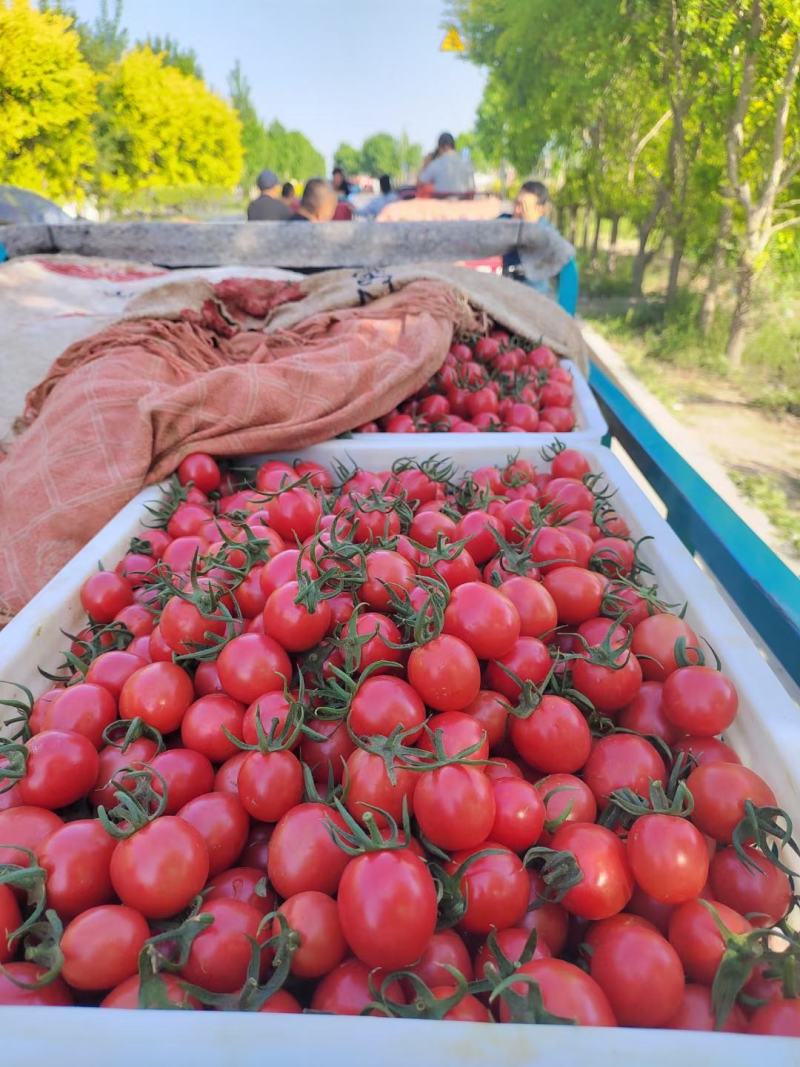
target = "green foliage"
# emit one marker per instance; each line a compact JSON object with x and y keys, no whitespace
{"x":103,"y":41}
{"x":348,"y":158}
{"x":159,"y":128}
{"x":769,"y":497}
{"x":380,"y":155}
{"x":47,"y":98}
{"x":183,"y":59}
{"x":254,"y":136}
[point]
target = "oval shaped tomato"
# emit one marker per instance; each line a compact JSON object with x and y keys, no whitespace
{"x":645,"y":714}
{"x":445,"y":949}
{"x":454,"y":806}
{"x":346,"y":990}
{"x":84,"y":708}
{"x":668,"y":857}
{"x":554,"y":738}
{"x":720,"y":791}
{"x":528,"y":661}
{"x":10,"y":921}
{"x":759,"y":890}
{"x":705,"y":750}
{"x":445,"y":673}
{"x":270,"y":783}
{"x":700,"y":701}
{"x":622,"y":761}
{"x":61,"y":768}
{"x":76,"y":859}
{"x":161,"y":868}
{"x":567,"y":992}
{"x":369,"y":786}
{"x":220,"y":956}
{"x":104,"y":594}
{"x":483,"y":618}
{"x":26,"y":827}
{"x":656,"y":640}
{"x":696,"y":938}
{"x":292,"y":625}
{"x":535,"y":606}
{"x":223,"y":824}
{"x":383,"y":703}
{"x":576,"y":592}
{"x":696,"y":1012}
{"x":159,"y":693}
{"x":495,"y":888}
{"x":387,"y":907}
{"x":13,"y":994}
{"x":201,"y":470}
{"x":303,"y":855}
{"x":607,"y":883}
{"x":327,"y":758}
{"x":101,"y":946}
{"x":203,"y":725}
{"x":637,"y":969}
{"x":251,"y":665}
{"x":519,"y":814}
{"x":187,"y":774}
{"x":781,"y":1018}
{"x":314,"y":917}
{"x":248,"y":884}
{"x":566,"y":799}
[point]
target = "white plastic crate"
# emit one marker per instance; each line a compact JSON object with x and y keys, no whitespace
{"x":766,"y":734}
{"x":589,"y":425}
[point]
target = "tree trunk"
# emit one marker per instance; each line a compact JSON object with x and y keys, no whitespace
{"x":560,"y":218}
{"x":641,"y":260}
{"x":596,"y":238}
{"x":612,"y":245}
{"x":678,"y":245}
{"x":573,"y":223}
{"x":585,"y":236}
{"x":708,"y":307}
{"x":745,"y":276}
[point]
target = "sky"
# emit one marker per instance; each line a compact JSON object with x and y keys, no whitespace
{"x":337,"y":71}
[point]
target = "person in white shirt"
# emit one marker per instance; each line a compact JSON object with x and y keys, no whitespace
{"x":378,"y":203}
{"x":449,"y":173}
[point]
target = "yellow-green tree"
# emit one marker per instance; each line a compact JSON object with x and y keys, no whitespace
{"x":159,"y":128}
{"x":47,"y":98}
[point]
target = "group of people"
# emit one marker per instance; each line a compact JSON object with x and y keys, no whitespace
{"x":445,"y":172}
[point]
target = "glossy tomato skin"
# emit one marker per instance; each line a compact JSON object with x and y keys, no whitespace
{"x":608,"y":688}
{"x":550,"y":921}
{"x":638,"y":970}
{"x":761,"y":891}
{"x":101,"y":947}
{"x":346,"y":990}
{"x":720,"y":791}
{"x":253,"y":664}
{"x":482,"y":617}
{"x":112,"y":760}
{"x":387,"y":908}
{"x":328,"y":756}
{"x":781,"y":1018}
{"x":220,"y":956}
{"x":104,"y":594}
{"x":445,"y":948}
{"x":84,"y":708}
{"x":696,"y":1012}
{"x":490,"y":710}
{"x":607,"y":883}
{"x":495,"y":887}
{"x":62,"y":767}
{"x":566,"y":799}
{"x":645,"y":714}
{"x":577,"y":593}
{"x":303,"y":856}
{"x":188,"y":774}
{"x":705,"y":750}
{"x":270,"y":784}
{"x":383,"y":703}
{"x":282,"y":1002}
{"x":161,"y":868}
{"x":26,"y":826}
{"x":668,"y":857}
{"x":248,"y":884}
{"x":529,"y":659}
{"x":519,"y":814}
{"x":223,"y":824}
{"x":76,"y":859}
{"x":455,"y":806}
{"x":554,"y":738}
{"x":700,"y":701}
{"x":696,"y":938}
{"x":201,"y":470}
{"x":10,"y":920}
{"x":622,"y":761}
{"x":292,"y":625}
{"x":536,"y":608}
{"x":159,"y":693}
{"x":204,"y":723}
{"x":512,"y":942}
{"x":369,"y":787}
{"x":53,"y":995}
{"x":654,"y":640}
{"x":314,"y":917}
{"x":567,"y":992}
{"x":445,"y":673}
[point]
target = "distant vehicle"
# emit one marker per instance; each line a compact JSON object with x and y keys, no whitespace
{"x":21,"y":205}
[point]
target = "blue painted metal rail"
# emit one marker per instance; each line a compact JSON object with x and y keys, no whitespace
{"x":763,"y":587}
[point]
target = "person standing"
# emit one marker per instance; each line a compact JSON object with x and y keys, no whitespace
{"x":555,"y":264}
{"x":449,"y":173}
{"x":268,"y":205}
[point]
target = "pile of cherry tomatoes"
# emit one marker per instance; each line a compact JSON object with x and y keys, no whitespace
{"x":406,"y":743}
{"x":493,"y":383}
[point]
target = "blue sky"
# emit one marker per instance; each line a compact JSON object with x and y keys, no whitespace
{"x":338,"y":71}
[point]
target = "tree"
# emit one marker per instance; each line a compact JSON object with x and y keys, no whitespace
{"x":103,"y":41}
{"x":410,"y":155}
{"x":183,"y":59}
{"x":159,"y":129}
{"x":380,"y":154}
{"x":255,"y":143}
{"x":348,"y":158}
{"x":762,"y":147}
{"x":47,"y":91}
